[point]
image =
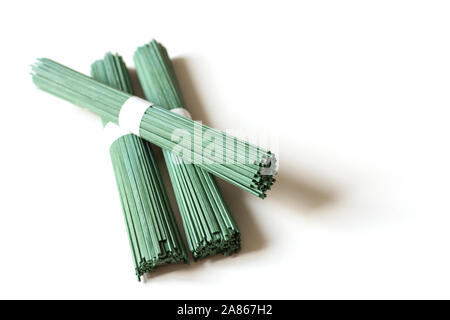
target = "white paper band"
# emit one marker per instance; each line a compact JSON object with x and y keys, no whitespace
{"x":131,"y":114}
{"x":182,"y":112}
{"x":113,"y":132}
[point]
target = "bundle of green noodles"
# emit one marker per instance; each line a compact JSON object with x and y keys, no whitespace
{"x":209,"y":226}
{"x":238,"y":162}
{"x":152,"y":230}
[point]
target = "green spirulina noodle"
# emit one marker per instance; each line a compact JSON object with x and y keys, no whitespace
{"x":252,"y":169}
{"x":209,"y":226}
{"x":152,"y":231}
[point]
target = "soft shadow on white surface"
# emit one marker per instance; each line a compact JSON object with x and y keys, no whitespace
{"x":301,"y":192}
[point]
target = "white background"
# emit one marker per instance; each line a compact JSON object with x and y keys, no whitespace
{"x":356,"y":91}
